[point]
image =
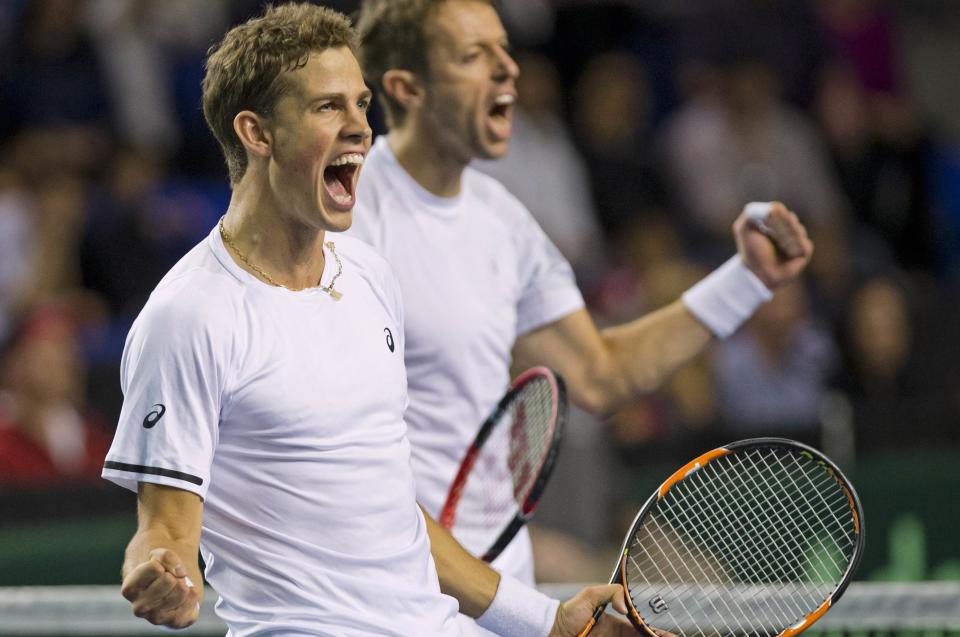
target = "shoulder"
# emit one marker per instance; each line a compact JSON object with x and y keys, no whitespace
{"x":357,"y":252}
{"x":482,"y":186}
{"x":371,"y":267}
{"x":493,"y":197}
{"x":363,"y":258}
{"x":197,"y":294}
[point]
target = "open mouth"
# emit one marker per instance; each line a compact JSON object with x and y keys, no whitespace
{"x":339,"y":178}
{"x":502,"y":107}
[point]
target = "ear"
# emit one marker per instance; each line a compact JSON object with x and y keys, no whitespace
{"x":404,"y":87}
{"x":253,"y":133}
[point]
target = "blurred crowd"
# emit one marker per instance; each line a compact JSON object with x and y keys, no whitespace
{"x":642,"y":129}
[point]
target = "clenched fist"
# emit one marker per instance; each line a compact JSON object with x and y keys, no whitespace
{"x":772,"y":242}
{"x":160,"y":591}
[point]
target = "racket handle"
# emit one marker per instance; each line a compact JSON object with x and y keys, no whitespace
{"x":597,"y":614}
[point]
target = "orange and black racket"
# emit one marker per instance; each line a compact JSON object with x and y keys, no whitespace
{"x":506,"y":468}
{"x":759,"y":537}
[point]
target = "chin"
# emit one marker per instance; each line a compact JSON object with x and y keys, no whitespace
{"x":494,"y":151}
{"x":338,"y":222}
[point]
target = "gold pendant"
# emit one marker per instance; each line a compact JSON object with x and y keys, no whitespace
{"x":335,"y":294}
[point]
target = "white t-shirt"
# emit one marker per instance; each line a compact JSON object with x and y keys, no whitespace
{"x":476,"y":271}
{"x":284,"y":411}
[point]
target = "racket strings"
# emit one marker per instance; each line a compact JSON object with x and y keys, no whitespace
{"x":531,"y":429}
{"x":769,"y":571}
{"x":711,"y":593}
{"x":675,"y":570}
{"x":507,"y":466}
{"x":816,"y":510}
{"x":789,"y":530}
{"x":750,"y":544}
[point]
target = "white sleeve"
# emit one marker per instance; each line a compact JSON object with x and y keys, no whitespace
{"x":549,"y":289}
{"x":172,"y":376}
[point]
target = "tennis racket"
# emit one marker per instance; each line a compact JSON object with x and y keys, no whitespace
{"x":759,"y":537}
{"x":505,"y":470}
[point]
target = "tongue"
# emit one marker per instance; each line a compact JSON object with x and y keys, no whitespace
{"x":334,"y":186}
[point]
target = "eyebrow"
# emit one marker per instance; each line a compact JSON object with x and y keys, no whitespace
{"x":486,"y":43}
{"x":367,"y":94}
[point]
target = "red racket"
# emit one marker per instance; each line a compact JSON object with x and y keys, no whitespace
{"x":506,"y":468}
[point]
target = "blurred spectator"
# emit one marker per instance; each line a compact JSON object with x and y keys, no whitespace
{"x":137,"y":73}
{"x":45,"y":435}
{"x":152,"y":53}
{"x":744,"y":143}
{"x":862,"y":33}
{"x":882,"y":157}
{"x":653,"y":271}
{"x":612,"y":119}
{"x":901,"y":366}
{"x":61,"y":202}
{"x":39,"y":237}
{"x":122,"y":254}
{"x":53,"y":96}
{"x":545,"y":171}
{"x":784,"y":33}
{"x":772,"y":376}
{"x":16,"y":234}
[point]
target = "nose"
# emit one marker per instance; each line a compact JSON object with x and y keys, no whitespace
{"x":507,"y":68}
{"x":357,"y":129}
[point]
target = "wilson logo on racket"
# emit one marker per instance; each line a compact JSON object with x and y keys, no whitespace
{"x":389,"y":334}
{"x":154,"y":416}
{"x":658,"y":605}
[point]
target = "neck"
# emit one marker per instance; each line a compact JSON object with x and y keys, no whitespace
{"x":287,"y":250}
{"x":437,"y":169}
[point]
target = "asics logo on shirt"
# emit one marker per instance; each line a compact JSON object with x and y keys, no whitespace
{"x":389,"y":334}
{"x":154,"y":416}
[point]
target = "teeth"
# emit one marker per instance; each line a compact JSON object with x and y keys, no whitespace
{"x":504,"y":100}
{"x":349,"y":158}
{"x":343,"y":199}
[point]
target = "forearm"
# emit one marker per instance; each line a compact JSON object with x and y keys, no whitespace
{"x":169,"y":519}
{"x":645,"y":352}
{"x":605,"y":369}
{"x":146,"y":540}
{"x":462,"y":576}
{"x":502,"y":605}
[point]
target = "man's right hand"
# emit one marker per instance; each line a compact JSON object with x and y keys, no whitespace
{"x":160,"y":591}
{"x":576,"y":613}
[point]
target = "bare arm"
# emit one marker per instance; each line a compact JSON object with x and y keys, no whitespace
{"x":161,"y":562}
{"x":462,"y":576}
{"x":604,"y":369}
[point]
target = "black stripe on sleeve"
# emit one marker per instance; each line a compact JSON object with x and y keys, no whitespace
{"x":156,"y":471}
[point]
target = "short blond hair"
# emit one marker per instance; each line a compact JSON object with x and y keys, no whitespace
{"x":245,"y":70}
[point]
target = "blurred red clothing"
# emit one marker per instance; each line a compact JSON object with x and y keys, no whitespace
{"x":24,"y":462}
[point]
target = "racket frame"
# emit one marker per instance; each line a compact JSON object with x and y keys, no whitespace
{"x":619,"y":575}
{"x":558,"y":417}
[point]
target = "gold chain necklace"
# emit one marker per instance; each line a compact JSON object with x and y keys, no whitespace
{"x":336,"y":295}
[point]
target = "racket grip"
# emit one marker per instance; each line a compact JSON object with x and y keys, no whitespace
{"x":597,"y":614}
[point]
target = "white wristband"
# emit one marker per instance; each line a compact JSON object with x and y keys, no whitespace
{"x":727,"y":297}
{"x":519,"y":611}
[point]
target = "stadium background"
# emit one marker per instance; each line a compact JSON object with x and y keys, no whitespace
{"x":642,"y":127}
